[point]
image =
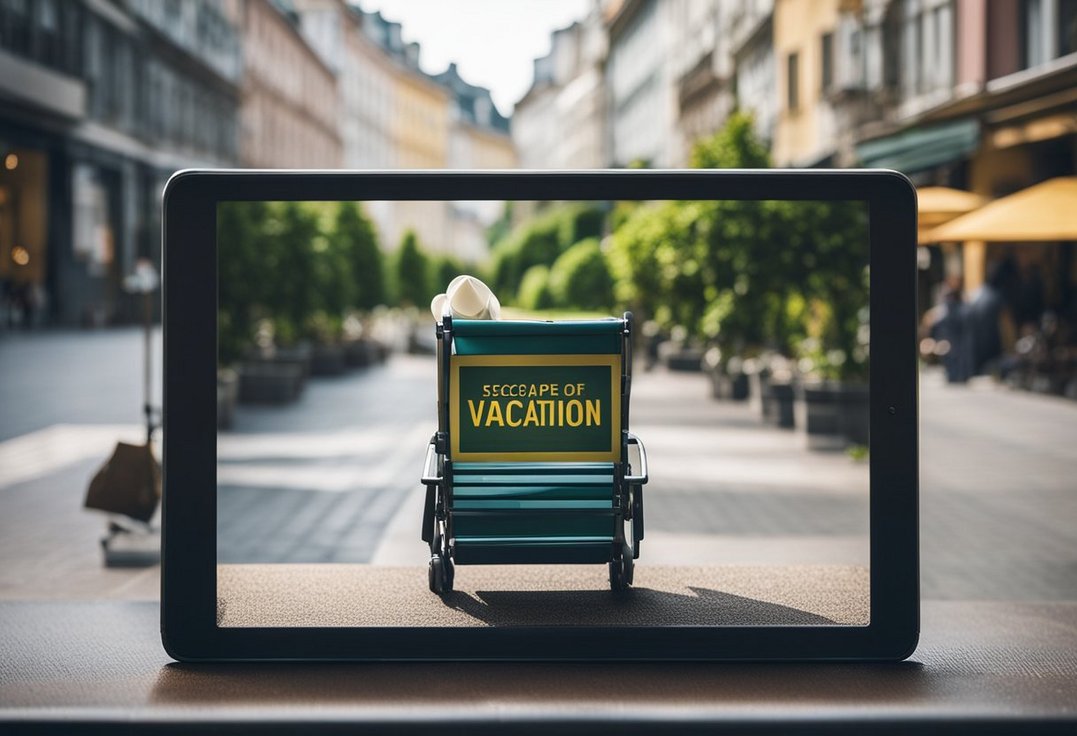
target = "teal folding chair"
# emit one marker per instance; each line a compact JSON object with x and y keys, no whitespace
{"x":533,"y":462}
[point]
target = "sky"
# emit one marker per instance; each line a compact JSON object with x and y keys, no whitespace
{"x":493,"y":42}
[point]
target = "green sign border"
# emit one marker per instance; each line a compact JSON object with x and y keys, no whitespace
{"x":458,"y":361}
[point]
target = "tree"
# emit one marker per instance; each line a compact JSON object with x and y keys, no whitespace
{"x":292,"y":282}
{"x":243,"y":271}
{"x":712,"y":267}
{"x":412,"y":272}
{"x":535,"y":289}
{"x":735,"y":146}
{"x":444,"y":269}
{"x":580,"y":278}
{"x":540,"y":241}
{"x":357,"y":240}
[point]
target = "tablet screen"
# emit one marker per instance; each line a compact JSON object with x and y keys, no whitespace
{"x":748,"y":357}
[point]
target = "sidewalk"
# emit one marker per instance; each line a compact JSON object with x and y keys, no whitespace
{"x":998,"y":491}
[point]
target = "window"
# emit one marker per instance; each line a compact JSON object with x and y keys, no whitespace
{"x":1067,"y":27}
{"x":1048,"y":30}
{"x":1035,"y":40}
{"x":827,"y":55}
{"x":792,"y":82}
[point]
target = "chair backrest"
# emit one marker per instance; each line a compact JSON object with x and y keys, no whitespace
{"x":534,"y":391}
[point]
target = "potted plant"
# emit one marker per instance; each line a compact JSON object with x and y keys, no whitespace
{"x":327,"y":356}
{"x":834,"y":351}
{"x":275,"y":369}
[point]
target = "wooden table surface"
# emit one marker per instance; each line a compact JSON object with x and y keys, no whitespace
{"x":100,"y":666}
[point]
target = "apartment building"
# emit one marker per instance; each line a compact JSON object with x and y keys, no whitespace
{"x":99,"y":103}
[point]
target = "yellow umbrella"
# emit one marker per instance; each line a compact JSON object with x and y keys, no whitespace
{"x":936,"y":205}
{"x":1044,"y":212}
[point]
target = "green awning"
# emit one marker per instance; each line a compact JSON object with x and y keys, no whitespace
{"x":921,"y":148}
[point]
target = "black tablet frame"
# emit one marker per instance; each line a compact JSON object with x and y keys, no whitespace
{"x":188,"y":576}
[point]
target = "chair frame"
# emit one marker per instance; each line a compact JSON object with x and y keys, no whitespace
{"x":629,"y":477}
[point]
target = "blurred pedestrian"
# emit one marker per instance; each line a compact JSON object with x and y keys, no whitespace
{"x":989,"y":315}
{"x":951,"y":330}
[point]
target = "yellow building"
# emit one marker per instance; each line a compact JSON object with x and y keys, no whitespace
{"x":804,"y":59}
{"x":420,"y":135}
{"x":420,"y":121}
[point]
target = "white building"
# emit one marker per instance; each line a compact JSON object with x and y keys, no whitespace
{"x":559,"y":123}
{"x":751,"y":41}
{"x":702,"y":65}
{"x":641,"y":89}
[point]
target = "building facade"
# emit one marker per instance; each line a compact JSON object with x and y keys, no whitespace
{"x":641,"y":90}
{"x":478,"y":139}
{"x":751,"y":43}
{"x":99,"y":103}
{"x":804,"y":49}
{"x":702,"y":65}
{"x":288,"y":101}
{"x":560,"y":122}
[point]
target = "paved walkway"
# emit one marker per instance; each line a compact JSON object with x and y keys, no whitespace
{"x":333,"y":477}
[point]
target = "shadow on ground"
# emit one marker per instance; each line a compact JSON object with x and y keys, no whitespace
{"x":634,"y":607}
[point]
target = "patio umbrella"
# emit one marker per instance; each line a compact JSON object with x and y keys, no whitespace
{"x":936,"y":205}
{"x":1044,"y":212}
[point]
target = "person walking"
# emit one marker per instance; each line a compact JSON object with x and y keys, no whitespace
{"x":952,"y":328}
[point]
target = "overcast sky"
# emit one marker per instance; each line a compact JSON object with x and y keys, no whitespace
{"x":493,"y":42}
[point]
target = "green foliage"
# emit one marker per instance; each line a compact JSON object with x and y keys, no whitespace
{"x":540,"y":241}
{"x":294,"y":230}
{"x":444,"y":269}
{"x":245,"y":264}
{"x":294,"y":267}
{"x":535,"y":289}
{"x":501,"y":227}
{"x":356,"y":238}
{"x":323,"y":326}
{"x":749,"y":275}
{"x":578,"y":222}
{"x":649,"y":236}
{"x":580,"y":278}
{"x":334,"y":286}
{"x":735,"y":146}
{"x":833,"y":241}
{"x":412,"y":271}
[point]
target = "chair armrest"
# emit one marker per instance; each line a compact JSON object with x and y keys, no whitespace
{"x":641,"y":476}
{"x":431,"y":475}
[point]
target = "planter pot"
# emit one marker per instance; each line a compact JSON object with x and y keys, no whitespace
{"x":270,"y":382}
{"x":729,"y":386}
{"x":854,"y":417}
{"x":360,"y":353}
{"x":783,"y":395}
{"x":685,"y":360}
{"x":835,"y":415}
{"x":761,"y":395}
{"x":327,"y":359}
{"x":822,"y":425}
{"x":227,"y":396}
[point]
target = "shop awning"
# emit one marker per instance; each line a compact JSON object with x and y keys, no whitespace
{"x":921,"y":148}
{"x":1044,"y":212}
{"x":936,"y":205}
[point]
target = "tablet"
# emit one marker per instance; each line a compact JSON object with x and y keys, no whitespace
{"x":681,"y":422}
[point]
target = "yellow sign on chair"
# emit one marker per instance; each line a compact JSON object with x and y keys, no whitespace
{"x":535,"y":408}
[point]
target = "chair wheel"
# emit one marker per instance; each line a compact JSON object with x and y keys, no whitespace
{"x":441,"y":575}
{"x":618,"y":580}
{"x":628,"y":561}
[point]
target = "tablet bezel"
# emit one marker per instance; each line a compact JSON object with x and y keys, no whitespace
{"x":189,"y":559}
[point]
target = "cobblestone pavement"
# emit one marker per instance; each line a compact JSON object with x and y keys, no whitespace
{"x":332,"y":478}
